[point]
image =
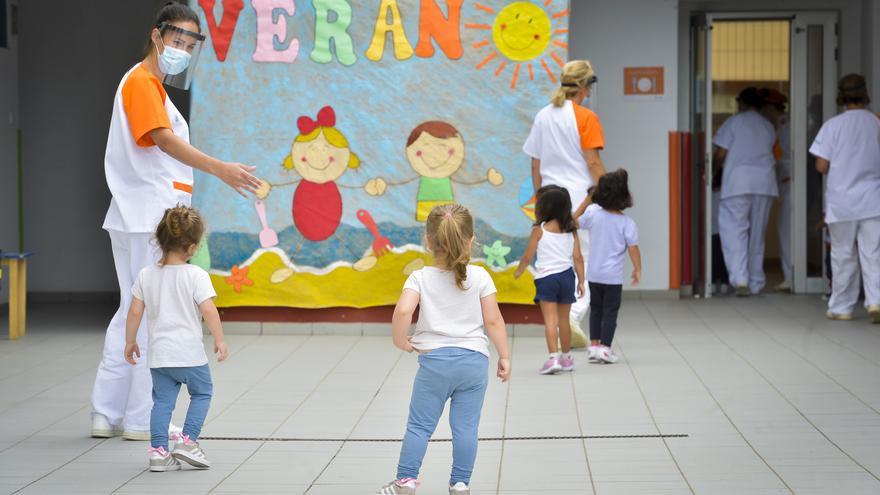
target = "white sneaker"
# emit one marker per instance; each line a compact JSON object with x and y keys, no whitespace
{"x":838,"y":317}
{"x":101,"y":427}
{"x":459,"y":489}
{"x":606,"y":355}
{"x":593,"y":353}
{"x":874,"y":313}
{"x":143,"y":436}
{"x":783,"y":287}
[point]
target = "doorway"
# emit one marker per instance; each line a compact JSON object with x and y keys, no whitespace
{"x":793,"y":54}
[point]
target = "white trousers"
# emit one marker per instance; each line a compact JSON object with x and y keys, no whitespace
{"x":581,"y":307}
{"x":742,"y":223}
{"x":123,"y":392}
{"x":854,"y":245}
{"x":784,"y":227}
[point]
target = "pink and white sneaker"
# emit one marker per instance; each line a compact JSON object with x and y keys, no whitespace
{"x":551,"y":366}
{"x":405,"y":486}
{"x":566,"y":363}
{"x":161,"y":461}
{"x":607,"y":356}
{"x":593,"y":353}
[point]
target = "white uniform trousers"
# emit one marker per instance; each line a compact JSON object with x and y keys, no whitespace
{"x":123,"y":392}
{"x":784,"y":226}
{"x":853,"y":245}
{"x":581,"y":307}
{"x":742,"y":223}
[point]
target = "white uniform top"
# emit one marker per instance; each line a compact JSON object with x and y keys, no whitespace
{"x":851,"y":143}
{"x":748,"y":138}
{"x":449,"y":316}
{"x":143,"y":179}
{"x":558,"y":138}
{"x":172,"y":294}
{"x":555,"y":252}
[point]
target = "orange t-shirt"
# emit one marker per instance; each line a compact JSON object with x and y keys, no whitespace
{"x":143,"y":98}
{"x":589,"y":128}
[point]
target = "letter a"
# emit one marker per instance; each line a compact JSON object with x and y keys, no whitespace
{"x":337,"y":30}
{"x":402,"y":49}
{"x":447,"y":31}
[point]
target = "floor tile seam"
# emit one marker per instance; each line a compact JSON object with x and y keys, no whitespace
{"x":90,"y":369}
{"x":74,"y":413}
{"x":714,"y":398}
{"x":55,"y":470}
{"x":358,"y":422}
{"x":298,"y":406}
{"x":512,"y":345}
{"x":261,"y":378}
{"x":69,"y":351}
{"x":577,"y":412}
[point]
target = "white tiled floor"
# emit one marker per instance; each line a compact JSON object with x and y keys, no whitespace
{"x":774,"y":400}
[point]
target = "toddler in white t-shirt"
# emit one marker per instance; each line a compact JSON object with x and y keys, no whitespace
{"x":613,"y":235}
{"x":175,"y":296}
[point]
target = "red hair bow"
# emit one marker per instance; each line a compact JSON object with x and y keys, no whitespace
{"x":326,"y":118}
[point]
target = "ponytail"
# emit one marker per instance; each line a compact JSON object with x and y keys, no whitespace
{"x":450,"y":230}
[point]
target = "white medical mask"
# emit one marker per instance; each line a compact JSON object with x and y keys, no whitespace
{"x":173,"y":61}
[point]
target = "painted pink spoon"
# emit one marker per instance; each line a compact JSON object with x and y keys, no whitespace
{"x":268,"y":237}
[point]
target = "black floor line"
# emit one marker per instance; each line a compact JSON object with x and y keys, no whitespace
{"x":487,"y":439}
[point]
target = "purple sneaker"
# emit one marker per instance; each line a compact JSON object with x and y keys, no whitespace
{"x":567,"y":363}
{"x":551,"y":366}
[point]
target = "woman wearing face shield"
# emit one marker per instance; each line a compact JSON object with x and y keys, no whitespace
{"x":149,"y":167}
{"x":564,"y":145}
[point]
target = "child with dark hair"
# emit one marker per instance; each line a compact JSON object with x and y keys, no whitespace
{"x":554,"y":239}
{"x":613,"y":235}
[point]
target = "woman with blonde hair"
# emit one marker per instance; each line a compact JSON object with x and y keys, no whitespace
{"x":564,"y":145}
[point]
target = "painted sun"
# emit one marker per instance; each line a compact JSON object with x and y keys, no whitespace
{"x":522,"y":32}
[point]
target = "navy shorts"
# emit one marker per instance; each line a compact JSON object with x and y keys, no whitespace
{"x":558,"y":288}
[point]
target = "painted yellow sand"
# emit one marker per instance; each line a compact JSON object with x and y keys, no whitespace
{"x":346,"y":287}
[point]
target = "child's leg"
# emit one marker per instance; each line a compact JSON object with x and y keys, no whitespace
{"x":562,"y":311}
{"x":430,"y":391}
{"x":464,"y":414}
{"x":610,"y":308}
{"x":201,"y":389}
{"x":551,"y":324}
{"x":165,"y":390}
{"x":597,"y":300}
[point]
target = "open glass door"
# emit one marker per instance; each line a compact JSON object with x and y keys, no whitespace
{"x":701,"y":148}
{"x":814,"y":70}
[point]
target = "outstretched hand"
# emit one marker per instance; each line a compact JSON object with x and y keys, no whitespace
{"x":238,"y":176}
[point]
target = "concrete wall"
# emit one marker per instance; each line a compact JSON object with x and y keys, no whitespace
{"x":8,"y":147}
{"x":635,"y":33}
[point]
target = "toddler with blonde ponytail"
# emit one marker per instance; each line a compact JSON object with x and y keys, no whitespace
{"x":457,"y":309}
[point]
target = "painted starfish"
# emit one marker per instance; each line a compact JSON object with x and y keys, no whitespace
{"x":495,"y":254}
{"x":239,"y":278}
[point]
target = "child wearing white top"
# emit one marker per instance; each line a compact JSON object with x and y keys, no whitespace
{"x":457,"y":307}
{"x":175,"y":296}
{"x":554,"y":239}
{"x":613,"y":235}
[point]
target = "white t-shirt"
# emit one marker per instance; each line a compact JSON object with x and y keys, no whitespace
{"x":558,"y":138}
{"x":610,"y":236}
{"x":172,"y":294}
{"x":555,"y":253}
{"x":749,"y":167}
{"x":449,"y":316}
{"x":851,"y":143}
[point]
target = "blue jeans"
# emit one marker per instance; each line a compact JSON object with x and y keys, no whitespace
{"x":166,"y":386}
{"x":448,"y":372}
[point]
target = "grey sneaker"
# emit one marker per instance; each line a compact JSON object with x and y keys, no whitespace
{"x":459,"y":489}
{"x":188,"y":451}
{"x":161,"y":460}
{"x":399,"y":487}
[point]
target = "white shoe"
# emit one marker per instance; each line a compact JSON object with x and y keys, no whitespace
{"x":607,"y":356}
{"x":459,"y":489}
{"x":836,"y":317}
{"x":101,"y":427}
{"x":783,"y":287}
{"x":593,"y":353}
{"x":874,"y":313}
{"x":174,"y":432}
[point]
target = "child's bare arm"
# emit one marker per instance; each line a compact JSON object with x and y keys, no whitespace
{"x":402,"y":319}
{"x":132,"y":323}
{"x":497,"y":333}
{"x":531,"y":249}
{"x":212,"y":320}
{"x":578,"y":265}
{"x":636,"y":256}
{"x":579,"y":212}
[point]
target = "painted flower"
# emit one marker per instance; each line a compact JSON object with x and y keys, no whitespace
{"x":495,"y":254}
{"x":239,"y":278}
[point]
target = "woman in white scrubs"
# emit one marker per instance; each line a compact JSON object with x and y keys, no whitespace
{"x":564,"y":145}
{"x":774,"y":110}
{"x":847,"y":149}
{"x":744,"y":148}
{"x":149,"y":167}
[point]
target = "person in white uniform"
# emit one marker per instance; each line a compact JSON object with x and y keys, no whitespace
{"x":744,"y":149}
{"x":847,"y":149}
{"x":149,"y":167}
{"x":564,"y":145}
{"x":774,"y":109}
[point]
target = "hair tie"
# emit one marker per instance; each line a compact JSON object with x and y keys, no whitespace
{"x":326,"y":118}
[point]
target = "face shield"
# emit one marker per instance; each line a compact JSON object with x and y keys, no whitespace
{"x":179,"y":56}
{"x":593,"y":99}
